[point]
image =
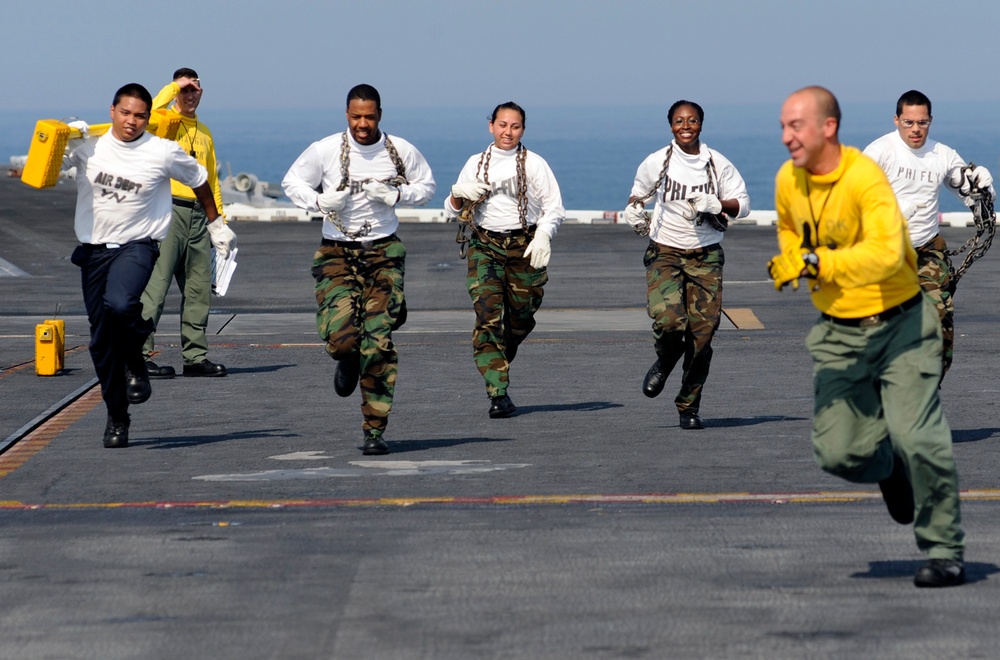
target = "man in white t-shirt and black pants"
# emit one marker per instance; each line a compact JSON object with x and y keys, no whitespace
{"x":123,"y":211}
{"x":917,"y":168}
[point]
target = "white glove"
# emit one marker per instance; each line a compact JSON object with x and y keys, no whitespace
{"x":981,"y":177}
{"x":223,"y":238}
{"x":539,"y":250}
{"x":705,"y":203}
{"x":333,"y":201}
{"x":908,"y":209}
{"x":381,"y":192}
{"x":81,"y":126}
{"x":470,"y":190}
{"x":635,"y":216}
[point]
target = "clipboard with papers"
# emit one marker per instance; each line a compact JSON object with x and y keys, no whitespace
{"x":222,"y":271}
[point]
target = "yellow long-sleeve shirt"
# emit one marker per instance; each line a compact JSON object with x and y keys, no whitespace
{"x":866,"y":262}
{"x":195,"y":138}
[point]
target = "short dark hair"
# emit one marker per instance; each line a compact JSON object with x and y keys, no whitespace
{"x":509,"y":105}
{"x":185,"y":72}
{"x":136,"y":91}
{"x":678,"y":104}
{"x":364,"y":92}
{"x":912,"y":97}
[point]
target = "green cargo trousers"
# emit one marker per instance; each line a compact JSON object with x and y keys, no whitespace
{"x":876,"y":394}
{"x":185,"y":255}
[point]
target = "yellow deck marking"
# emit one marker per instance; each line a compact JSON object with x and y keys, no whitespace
{"x":501,"y":500}
{"x":743,"y":318}
{"x":37,"y":440}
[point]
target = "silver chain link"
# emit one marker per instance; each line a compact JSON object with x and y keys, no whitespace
{"x":713,"y":175}
{"x":985,"y":220}
{"x":345,"y":182}
{"x":466,"y":218}
{"x":643,"y":229}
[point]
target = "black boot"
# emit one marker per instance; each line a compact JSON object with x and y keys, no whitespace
{"x":898,"y":493}
{"x":654,"y":381}
{"x":374,"y":445}
{"x":501,"y":406}
{"x":116,"y":433}
{"x":346,"y":378}
{"x":940,"y":573}
{"x":137,"y":388}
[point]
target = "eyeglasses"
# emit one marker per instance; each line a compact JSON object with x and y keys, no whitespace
{"x":690,"y":121}
{"x":908,"y":123}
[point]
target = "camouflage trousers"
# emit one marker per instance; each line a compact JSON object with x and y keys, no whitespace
{"x":359,"y":291}
{"x":934,"y":271}
{"x":506,"y":292}
{"x":684,"y":299}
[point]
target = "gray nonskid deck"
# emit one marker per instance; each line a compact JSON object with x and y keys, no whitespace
{"x":243,"y":521}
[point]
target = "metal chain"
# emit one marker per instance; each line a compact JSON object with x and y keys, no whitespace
{"x":466,"y":217}
{"x":718,"y":221}
{"x":986,"y":224}
{"x":345,"y":181}
{"x":522,"y":187}
{"x":643,"y":229}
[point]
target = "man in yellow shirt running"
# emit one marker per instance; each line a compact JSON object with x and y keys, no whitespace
{"x":877,"y":345}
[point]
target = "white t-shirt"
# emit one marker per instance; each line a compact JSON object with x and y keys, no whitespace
{"x":123,"y":188}
{"x":916,"y":176}
{"x":499,"y":211}
{"x":318,"y":168}
{"x":687,"y":173}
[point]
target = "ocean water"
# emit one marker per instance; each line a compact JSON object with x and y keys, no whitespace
{"x":594,"y":151}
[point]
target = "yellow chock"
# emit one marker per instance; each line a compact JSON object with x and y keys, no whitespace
{"x":60,"y":327}
{"x":46,"y":350}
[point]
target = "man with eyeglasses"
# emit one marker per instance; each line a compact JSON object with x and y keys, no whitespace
{"x":186,"y":253}
{"x":917,"y":168}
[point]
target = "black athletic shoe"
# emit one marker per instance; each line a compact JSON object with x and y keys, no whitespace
{"x":205,"y":369}
{"x":654,"y":381}
{"x":116,"y":434}
{"x":502,"y":406}
{"x":898,"y":493}
{"x":137,"y":388}
{"x":940,"y":573}
{"x":156,"y":371}
{"x":346,"y":378}
{"x":691,"y":422}
{"x":374,"y":445}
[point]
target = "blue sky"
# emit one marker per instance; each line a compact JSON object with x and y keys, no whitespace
{"x":61,"y":55}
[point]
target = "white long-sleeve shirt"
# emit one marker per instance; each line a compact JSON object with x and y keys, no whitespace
{"x":499,"y":211}
{"x":916,"y":176}
{"x":318,"y":168}
{"x":123,"y":188}
{"x":687,"y":173}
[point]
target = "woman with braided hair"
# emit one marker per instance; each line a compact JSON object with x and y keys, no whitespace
{"x":513,"y":208}
{"x":697,"y":191}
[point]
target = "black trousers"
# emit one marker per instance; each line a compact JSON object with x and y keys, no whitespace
{"x":113,"y":280}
